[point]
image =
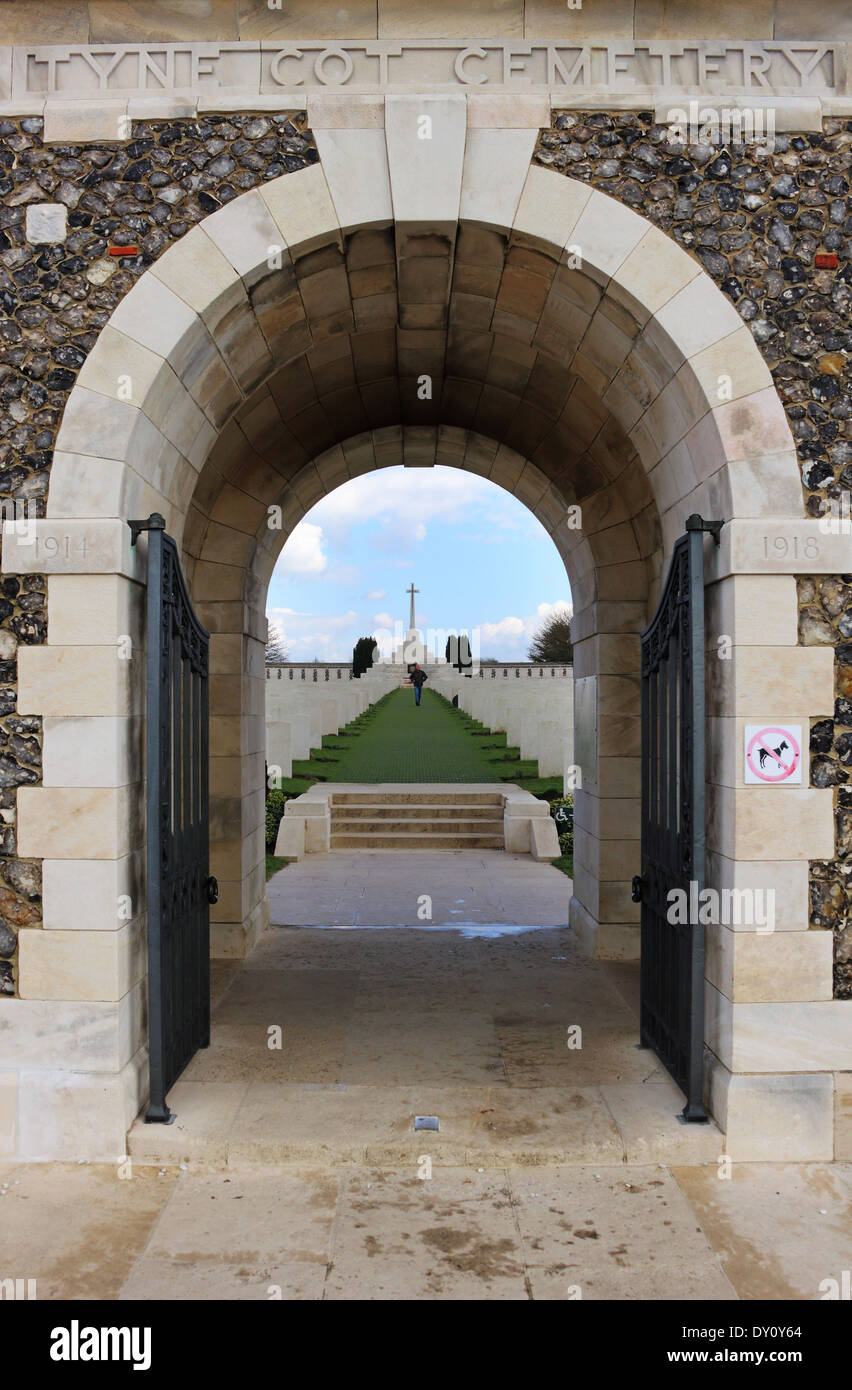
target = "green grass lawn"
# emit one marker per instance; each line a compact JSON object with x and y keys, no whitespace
{"x":407,"y":743}
{"x":397,"y":741}
{"x":565,"y":862}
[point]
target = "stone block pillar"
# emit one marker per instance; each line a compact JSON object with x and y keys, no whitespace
{"x":774,"y":1034}
{"x":74,"y":1049}
{"x":607,"y":801}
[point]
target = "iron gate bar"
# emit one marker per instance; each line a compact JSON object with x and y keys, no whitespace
{"x":179,"y":886}
{"x":673,"y":818}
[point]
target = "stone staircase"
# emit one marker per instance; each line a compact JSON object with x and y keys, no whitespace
{"x":412,"y":820}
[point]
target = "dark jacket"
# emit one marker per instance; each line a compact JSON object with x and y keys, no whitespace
{"x":418,"y":677}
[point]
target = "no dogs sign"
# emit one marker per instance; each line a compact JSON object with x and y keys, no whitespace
{"x":773,"y":754}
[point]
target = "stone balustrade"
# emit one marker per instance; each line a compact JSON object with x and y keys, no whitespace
{"x":312,"y":672}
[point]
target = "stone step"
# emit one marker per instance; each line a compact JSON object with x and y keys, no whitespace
{"x":421,"y":840}
{"x":457,"y":825}
{"x":413,"y":811}
{"x":489,"y":1127}
{"x":431,"y":798}
{"x":425,"y":819}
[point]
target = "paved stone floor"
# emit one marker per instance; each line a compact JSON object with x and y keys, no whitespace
{"x":377,"y":1026}
{"x":374,"y":1231}
{"x":468,"y":1017}
{"x":555,"y":1172}
{"x":384,"y":888}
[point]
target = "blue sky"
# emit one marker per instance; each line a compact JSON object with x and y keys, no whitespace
{"x":477,"y":555}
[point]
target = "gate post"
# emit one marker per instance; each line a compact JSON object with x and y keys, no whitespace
{"x":74,"y":1039}
{"x":774,"y":1033}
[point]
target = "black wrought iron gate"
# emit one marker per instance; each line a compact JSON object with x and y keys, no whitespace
{"x":179,"y":886}
{"x":673,"y":810}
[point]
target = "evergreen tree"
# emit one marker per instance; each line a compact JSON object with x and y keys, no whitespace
{"x":363,"y":655}
{"x":458,"y":651}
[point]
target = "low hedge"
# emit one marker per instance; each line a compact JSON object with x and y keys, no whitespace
{"x":275,"y":803}
{"x":562,"y":811}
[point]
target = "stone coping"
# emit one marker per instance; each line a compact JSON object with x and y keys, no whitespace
{"x":318,"y":798}
{"x":171,"y":80}
{"x":791,"y":113}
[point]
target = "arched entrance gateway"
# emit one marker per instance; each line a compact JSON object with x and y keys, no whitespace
{"x":421,"y":295}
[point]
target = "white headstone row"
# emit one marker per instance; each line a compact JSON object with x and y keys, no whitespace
{"x":537,"y":716}
{"x":298,"y":713}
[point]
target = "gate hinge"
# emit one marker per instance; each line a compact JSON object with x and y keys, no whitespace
{"x":155,"y":522}
{"x":697,"y":523}
{"x":636,"y":888}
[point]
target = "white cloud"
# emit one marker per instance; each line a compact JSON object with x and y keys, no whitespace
{"x":399,"y":505}
{"x":407,"y":494}
{"x":347,"y":575}
{"x":507,"y":627}
{"x":294,"y":620}
{"x":325,"y":635}
{"x":513,"y":635}
{"x":303,"y":552}
{"x":395,"y":519}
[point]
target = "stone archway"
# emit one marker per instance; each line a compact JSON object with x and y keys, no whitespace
{"x":574,"y":355}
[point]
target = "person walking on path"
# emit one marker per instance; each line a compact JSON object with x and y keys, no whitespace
{"x":417,"y":679}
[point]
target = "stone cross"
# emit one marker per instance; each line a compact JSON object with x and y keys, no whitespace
{"x":412,"y":591}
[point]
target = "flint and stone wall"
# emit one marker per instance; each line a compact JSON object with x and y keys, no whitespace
{"x":54,"y":300}
{"x":754,"y":224}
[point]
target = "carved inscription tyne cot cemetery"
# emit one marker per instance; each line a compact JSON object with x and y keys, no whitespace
{"x":701,"y":65}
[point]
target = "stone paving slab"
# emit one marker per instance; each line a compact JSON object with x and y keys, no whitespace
{"x":535,"y":1054}
{"x":454,"y":1236}
{"x":807,"y":1205}
{"x":614,"y":1233}
{"x":384,"y":1231}
{"x":204,"y":1115}
{"x":425,"y":1051}
{"x":240,"y":1237}
{"x":78,"y":1229}
{"x":241,"y":1052}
